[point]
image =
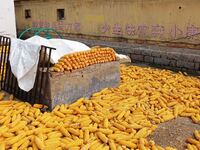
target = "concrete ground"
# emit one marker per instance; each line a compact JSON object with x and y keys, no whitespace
{"x":174,"y":133}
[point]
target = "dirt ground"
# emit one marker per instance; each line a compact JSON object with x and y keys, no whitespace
{"x":174,"y":133}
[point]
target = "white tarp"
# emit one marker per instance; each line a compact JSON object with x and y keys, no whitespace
{"x":62,"y":46}
{"x":123,"y":58}
{"x":24,"y":56}
{"x":7,"y":18}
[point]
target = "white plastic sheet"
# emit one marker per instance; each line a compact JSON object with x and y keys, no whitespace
{"x":62,"y":46}
{"x":24,"y":57}
{"x":123,"y":58}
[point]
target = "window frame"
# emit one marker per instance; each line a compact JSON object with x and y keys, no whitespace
{"x":60,"y":14}
{"x":27,"y":13}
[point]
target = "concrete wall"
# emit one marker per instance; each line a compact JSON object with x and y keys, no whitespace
{"x":70,"y":86}
{"x":159,"y":20}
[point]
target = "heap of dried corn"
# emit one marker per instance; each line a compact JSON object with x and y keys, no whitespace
{"x":115,"y":118}
{"x":194,"y":144}
{"x":83,"y":59}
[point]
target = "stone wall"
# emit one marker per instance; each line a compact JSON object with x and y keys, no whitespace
{"x":180,"y":59}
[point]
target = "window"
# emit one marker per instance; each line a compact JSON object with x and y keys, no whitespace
{"x":60,"y":14}
{"x":27,"y":13}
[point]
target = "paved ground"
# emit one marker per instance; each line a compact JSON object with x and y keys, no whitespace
{"x":174,"y":133}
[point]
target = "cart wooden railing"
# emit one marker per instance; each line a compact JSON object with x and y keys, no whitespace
{"x":9,"y":82}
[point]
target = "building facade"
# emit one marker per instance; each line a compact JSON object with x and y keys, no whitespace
{"x":151,"y":20}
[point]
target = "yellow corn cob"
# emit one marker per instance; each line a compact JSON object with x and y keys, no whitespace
{"x":141,"y":133}
{"x":2,"y":146}
{"x":65,"y":132}
{"x":75,"y":143}
{"x":102,"y":137}
{"x":119,"y":126}
{"x":73,"y":131}
{"x":24,"y":145}
{"x":39,"y":143}
{"x":13,"y":140}
{"x":127,"y":143}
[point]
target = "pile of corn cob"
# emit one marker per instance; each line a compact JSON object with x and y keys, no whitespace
{"x":194,"y":144}
{"x":83,"y":59}
{"x":116,"y":118}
